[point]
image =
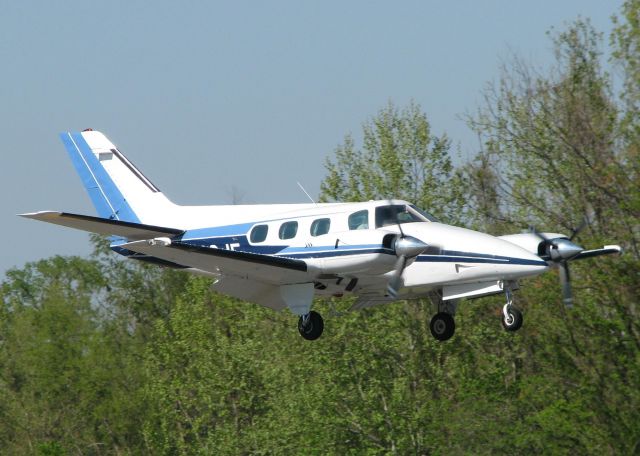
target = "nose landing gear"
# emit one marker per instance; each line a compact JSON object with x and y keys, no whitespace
{"x":511,"y":316}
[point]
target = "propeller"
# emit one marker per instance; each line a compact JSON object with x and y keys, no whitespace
{"x":560,"y":251}
{"x":405,"y":248}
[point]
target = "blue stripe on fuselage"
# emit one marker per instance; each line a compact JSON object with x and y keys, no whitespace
{"x":448,"y":256}
{"x":240,"y":243}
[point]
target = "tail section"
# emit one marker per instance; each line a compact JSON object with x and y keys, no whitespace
{"x":118,"y":190}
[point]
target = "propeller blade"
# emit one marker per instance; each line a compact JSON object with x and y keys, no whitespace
{"x":576,"y":231}
{"x":400,"y":227}
{"x":537,"y":233}
{"x":565,"y":281}
{"x":396,"y":279}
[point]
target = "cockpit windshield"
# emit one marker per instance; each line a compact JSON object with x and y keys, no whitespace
{"x":400,"y":213}
{"x":424,"y":213}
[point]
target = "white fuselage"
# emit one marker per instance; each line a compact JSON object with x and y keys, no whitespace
{"x":347,"y":250}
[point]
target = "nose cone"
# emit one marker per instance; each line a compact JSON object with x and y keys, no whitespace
{"x":409,"y":247}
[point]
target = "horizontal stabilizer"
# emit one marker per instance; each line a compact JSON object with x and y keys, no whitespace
{"x":107,"y":227}
{"x":607,"y":250}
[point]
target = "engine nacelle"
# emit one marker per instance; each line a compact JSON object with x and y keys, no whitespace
{"x":355,"y":252}
{"x":550,"y":246}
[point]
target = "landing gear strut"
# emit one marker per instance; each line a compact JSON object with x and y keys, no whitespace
{"x":511,"y":315}
{"x":311,"y":325}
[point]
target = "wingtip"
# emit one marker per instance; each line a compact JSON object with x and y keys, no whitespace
{"x":615,"y":247}
{"x":38,"y":214}
{"x":28,"y":214}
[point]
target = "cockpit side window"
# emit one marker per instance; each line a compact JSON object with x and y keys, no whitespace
{"x":359,"y":220}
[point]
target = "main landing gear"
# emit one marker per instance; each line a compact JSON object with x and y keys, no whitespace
{"x":442,"y":326}
{"x":311,"y":325}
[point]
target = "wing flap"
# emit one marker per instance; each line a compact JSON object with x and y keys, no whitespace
{"x":251,"y":266}
{"x":265,"y":294}
{"x":130,"y":230}
{"x":370,"y":300}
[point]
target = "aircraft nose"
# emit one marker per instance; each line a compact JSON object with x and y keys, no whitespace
{"x":529,"y":263}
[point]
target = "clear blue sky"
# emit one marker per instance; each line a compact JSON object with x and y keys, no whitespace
{"x":208,"y":97}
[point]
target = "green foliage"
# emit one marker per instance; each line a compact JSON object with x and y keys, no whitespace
{"x":104,"y":356}
{"x":400,"y":158}
{"x":558,"y":147}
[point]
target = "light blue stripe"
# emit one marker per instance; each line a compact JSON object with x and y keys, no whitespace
{"x":105,"y":195}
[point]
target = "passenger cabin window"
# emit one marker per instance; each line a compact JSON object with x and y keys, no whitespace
{"x":320,"y":226}
{"x":259,"y":233}
{"x":288,"y":230}
{"x":397,"y":213}
{"x":359,"y":220}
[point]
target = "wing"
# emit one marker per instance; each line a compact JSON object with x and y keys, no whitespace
{"x":107,"y":227}
{"x":272,"y":281}
{"x":607,"y":250}
{"x":249,"y":266}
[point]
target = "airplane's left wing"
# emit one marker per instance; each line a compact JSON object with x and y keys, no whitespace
{"x":268,"y":269}
{"x":155,"y":242}
{"x":607,"y":250}
{"x":107,"y":227}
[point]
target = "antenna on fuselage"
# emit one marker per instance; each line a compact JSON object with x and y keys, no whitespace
{"x":305,"y":192}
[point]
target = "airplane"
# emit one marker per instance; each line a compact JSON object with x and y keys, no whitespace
{"x":283,"y":255}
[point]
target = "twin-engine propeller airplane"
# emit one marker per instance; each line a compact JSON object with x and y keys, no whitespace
{"x":282,"y":255}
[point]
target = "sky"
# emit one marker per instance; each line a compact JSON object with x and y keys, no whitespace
{"x":219,"y":102}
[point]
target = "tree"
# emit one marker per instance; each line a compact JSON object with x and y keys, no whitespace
{"x":557,"y":147}
{"x":399,"y":158}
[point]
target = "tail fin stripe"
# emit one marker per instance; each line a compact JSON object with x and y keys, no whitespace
{"x":93,"y":178}
{"x":104,"y":194}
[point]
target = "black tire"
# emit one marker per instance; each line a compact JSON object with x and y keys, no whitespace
{"x":314,"y":327}
{"x":515,"y":320}
{"x":442,"y":326}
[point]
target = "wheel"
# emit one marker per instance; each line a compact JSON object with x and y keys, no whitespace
{"x":313,"y":327}
{"x":442,"y":326}
{"x":513,"y":320}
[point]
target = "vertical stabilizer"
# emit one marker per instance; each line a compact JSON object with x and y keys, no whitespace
{"x":118,"y":190}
